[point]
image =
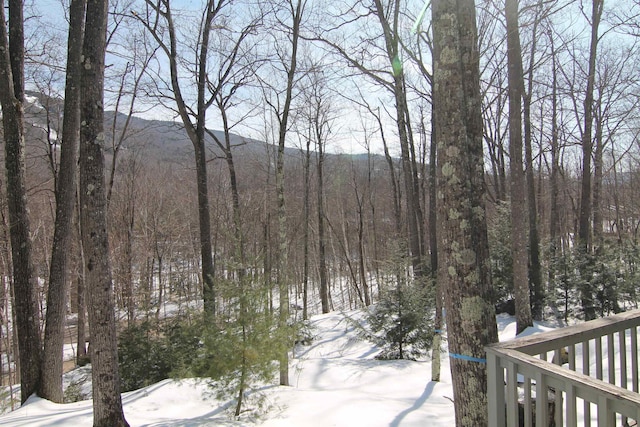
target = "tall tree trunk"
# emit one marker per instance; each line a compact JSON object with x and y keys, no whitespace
{"x":433,"y":249}
{"x":322,"y":251}
{"x":107,"y":402}
{"x":395,"y":192}
{"x":81,"y":352}
{"x":305,"y":237}
{"x":535,"y":268}
{"x":51,"y":387}
{"x":554,"y":213}
{"x":81,"y":301}
{"x":128,"y":262}
{"x":584,"y":227}
{"x":26,"y":306}
{"x":414,"y":214}
{"x":204,"y":215}
{"x":226,"y":147}
{"x":519,"y":254}
{"x":283,"y":284}
{"x":598,"y":167}
{"x":374,"y":228}
{"x":296,"y":10}
{"x":196,"y":132}
{"x":361,"y":253}
{"x":463,"y":244}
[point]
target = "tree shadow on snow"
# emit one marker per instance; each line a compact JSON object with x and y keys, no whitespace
{"x":416,"y":405}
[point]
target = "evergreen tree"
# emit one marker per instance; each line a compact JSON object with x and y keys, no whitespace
{"x":240,"y":348}
{"x":401,"y":322}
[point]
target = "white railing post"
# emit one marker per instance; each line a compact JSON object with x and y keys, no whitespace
{"x":571,"y":410}
{"x":586,"y":370}
{"x":634,"y":359}
{"x":512,"y":394}
{"x":495,"y":391}
{"x":542,"y":400}
{"x":614,"y":398}
{"x":528,"y":407}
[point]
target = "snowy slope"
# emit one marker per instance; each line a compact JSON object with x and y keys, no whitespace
{"x":335,"y":381}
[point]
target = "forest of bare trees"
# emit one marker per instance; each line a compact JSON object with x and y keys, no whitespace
{"x":267,"y":161}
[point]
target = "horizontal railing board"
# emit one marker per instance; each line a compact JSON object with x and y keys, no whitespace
{"x":622,"y":401}
{"x":570,"y":335}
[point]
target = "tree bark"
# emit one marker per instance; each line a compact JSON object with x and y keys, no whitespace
{"x":433,"y":248}
{"x":554,"y":211}
{"x":296,"y":10}
{"x":535,"y":267}
{"x":51,"y":387}
{"x":26,"y":306}
{"x":598,"y":166}
{"x":584,"y":227}
{"x":322,"y":256}
{"x":306,"y":229}
{"x":519,"y":254}
{"x":463,"y":245}
{"x":107,"y":402}
{"x":204,"y":216}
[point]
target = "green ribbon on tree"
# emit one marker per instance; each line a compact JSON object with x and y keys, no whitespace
{"x":396,"y":66}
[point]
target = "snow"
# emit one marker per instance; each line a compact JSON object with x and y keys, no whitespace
{"x":335,"y":381}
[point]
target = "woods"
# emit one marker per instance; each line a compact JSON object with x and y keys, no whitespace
{"x":265,"y":162}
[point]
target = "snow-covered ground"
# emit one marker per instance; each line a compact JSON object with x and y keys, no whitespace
{"x":335,"y":381}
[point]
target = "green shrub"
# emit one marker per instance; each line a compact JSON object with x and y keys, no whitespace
{"x":241,"y":348}
{"x":143,"y":356}
{"x":401,"y":322}
{"x":149,"y":352}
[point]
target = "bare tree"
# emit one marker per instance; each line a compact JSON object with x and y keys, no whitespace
{"x":585,"y":229}
{"x":519,"y":254}
{"x":554,"y":211}
{"x":238,"y":66}
{"x":318,"y":115}
{"x":388,"y":17}
{"x":51,"y":387}
{"x":295,"y":10}
{"x":159,"y":21}
{"x":25,"y":289}
{"x":614,"y":107}
{"x":535,"y":269}
{"x":107,"y":402}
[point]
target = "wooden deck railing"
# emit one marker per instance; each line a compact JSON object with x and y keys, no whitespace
{"x":585,"y":374}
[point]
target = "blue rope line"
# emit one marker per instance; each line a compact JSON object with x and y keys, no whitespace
{"x":467,"y":358}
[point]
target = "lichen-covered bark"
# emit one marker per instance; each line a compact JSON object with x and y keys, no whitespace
{"x":107,"y":402}
{"x":433,"y":247}
{"x":463,"y":247}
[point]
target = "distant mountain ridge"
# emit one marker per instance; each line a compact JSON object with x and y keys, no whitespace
{"x":162,"y":141}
